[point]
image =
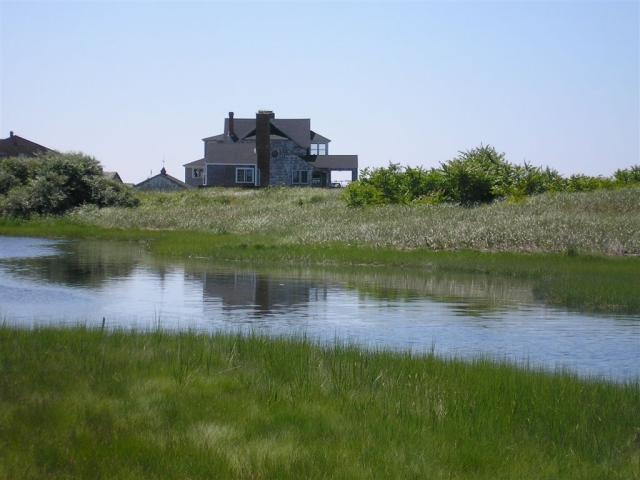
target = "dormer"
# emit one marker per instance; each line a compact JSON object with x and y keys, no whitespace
{"x":319,"y":144}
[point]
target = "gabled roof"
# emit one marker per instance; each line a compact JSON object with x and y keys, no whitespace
{"x":166,"y":177}
{"x":112,"y":176}
{"x":317,"y":138}
{"x":242,"y":126}
{"x":296,"y":129}
{"x":15,"y":145}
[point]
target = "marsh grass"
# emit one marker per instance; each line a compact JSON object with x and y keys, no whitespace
{"x":78,"y":403}
{"x":602,"y":222}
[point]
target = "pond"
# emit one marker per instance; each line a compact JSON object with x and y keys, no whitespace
{"x":45,"y":282}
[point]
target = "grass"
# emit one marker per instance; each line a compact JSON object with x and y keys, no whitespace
{"x":79,"y":403}
{"x":601,"y":222}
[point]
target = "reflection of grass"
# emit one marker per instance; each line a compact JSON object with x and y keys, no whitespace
{"x":79,"y":403}
{"x":587,"y":283}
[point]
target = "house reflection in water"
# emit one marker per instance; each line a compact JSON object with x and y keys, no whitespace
{"x":260,"y":293}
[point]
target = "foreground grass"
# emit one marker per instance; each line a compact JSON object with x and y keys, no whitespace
{"x":81,"y":403}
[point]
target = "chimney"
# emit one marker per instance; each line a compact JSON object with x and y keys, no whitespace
{"x":11,"y":133}
{"x":232,"y":130}
{"x":263,"y":145}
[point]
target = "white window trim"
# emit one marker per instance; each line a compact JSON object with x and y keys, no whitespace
{"x":253,"y":174}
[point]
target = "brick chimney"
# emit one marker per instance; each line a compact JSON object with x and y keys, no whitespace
{"x":232,"y":130}
{"x":263,"y":145}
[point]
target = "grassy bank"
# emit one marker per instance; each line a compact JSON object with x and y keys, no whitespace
{"x":79,"y":403}
{"x":602,"y":222}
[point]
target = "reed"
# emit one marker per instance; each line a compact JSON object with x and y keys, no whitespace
{"x":603,"y":222}
{"x":80,"y":403}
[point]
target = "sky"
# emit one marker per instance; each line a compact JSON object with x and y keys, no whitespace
{"x":141,"y":83}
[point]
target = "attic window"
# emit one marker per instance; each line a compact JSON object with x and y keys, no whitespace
{"x":318,"y":149}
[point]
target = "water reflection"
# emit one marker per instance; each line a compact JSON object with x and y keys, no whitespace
{"x":92,"y":264}
{"x":458,"y":314}
{"x":258,"y":292}
{"x":84,"y":264}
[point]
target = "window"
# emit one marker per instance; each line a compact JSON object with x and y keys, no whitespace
{"x":244,"y":175}
{"x":318,"y":149}
{"x":300,"y":177}
{"x":198,"y":172}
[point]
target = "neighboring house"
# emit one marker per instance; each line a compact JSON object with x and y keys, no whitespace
{"x":14,"y":146}
{"x":113,"y":176}
{"x":162,"y":181}
{"x":265,"y":151}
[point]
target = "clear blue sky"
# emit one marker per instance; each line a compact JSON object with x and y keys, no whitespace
{"x":132,"y":83}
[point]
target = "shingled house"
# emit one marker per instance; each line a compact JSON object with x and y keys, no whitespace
{"x":17,"y":146}
{"x":265,"y":151}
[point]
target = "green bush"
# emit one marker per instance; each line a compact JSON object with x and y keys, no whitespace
{"x":530,"y":180}
{"x":479,"y":175}
{"x":628,"y":175}
{"x":358,"y":194}
{"x":54,"y":183}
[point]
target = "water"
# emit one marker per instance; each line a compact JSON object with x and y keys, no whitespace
{"x":45,"y":282}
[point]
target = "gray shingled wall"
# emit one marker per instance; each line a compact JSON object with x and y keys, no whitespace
{"x":286,"y":162}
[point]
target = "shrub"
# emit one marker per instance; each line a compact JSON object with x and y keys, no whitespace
{"x":54,"y":183}
{"x":628,"y":176}
{"x":585,"y":183}
{"x":358,"y":194}
{"x":479,"y":175}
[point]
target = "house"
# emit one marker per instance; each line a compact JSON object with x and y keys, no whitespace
{"x":14,"y":146}
{"x":113,"y":176}
{"x":162,"y":182}
{"x":265,"y":151}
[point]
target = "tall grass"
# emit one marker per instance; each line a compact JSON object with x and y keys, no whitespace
{"x":78,"y":403}
{"x":602,"y":222}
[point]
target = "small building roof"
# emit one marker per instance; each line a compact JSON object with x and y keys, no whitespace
{"x":112,"y":176}
{"x":15,"y":145}
{"x":165,"y":177}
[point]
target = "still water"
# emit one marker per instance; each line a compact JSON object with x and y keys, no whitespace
{"x":44,"y":282}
